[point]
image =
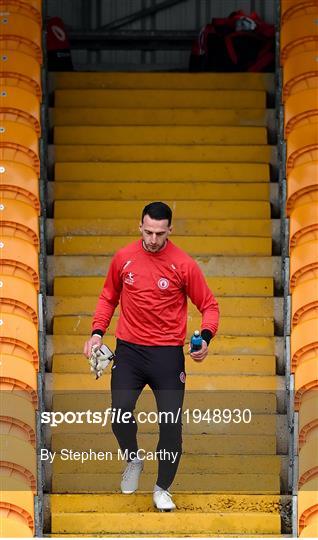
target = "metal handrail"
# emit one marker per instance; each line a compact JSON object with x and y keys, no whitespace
{"x":289,"y":376}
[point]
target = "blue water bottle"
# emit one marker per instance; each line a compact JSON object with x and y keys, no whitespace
{"x":196,"y":341}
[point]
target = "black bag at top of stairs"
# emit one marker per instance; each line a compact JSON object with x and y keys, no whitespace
{"x":239,"y":42}
{"x":58,"y":46}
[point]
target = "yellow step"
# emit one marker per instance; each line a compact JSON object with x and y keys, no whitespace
{"x":221,"y":344}
{"x":130,"y":191}
{"x":142,"y":502}
{"x":82,"y":482}
{"x":199,"y":245}
{"x":220,"y":286}
{"x":162,"y":99}
{"x":216,"y":364}
{"x":91,"y":265}
{"x":229,"y":307}
{"x":218,"y":227}
{"x":257,"y":402}
{"x":200,"y":383}
{"x":264,"y":402}
{"x":181,"y":209}
{"x":242,"y":326}
{"x":192,"y":444}
{"x":182,"y":523}
{"x":190,"y":463}
{"x":253,"y":81}
{"x":160,"y":135}
{"x":158,"y":535}
{"x":172,"y":153}
{"x":162,"y":172}
{"x":64,"y":116}
{"x":191,"y":501}
{"x":259,"y":425}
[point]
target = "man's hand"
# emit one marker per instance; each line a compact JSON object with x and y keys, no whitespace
{"x":200,"y":355}
{"x":94,"y":340}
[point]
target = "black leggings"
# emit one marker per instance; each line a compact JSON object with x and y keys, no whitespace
{"x":162,"y":368}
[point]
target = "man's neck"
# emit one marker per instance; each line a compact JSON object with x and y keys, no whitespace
{"x":145,"y":247}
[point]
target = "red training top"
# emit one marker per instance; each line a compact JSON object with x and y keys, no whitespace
{"x":153,"y":289}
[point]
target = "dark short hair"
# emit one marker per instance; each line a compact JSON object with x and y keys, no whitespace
{"x":157,"y":210}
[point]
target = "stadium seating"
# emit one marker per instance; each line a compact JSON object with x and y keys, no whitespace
{"x":20,"y":335}
{"x":305,"y":375}
{"x":20,"y":97}
{"x":291,"y":9}
{"x":19,"y":258}
{"x":21,"y":70}
{"x":17,"y":375}
{"x":31,"y":9}
{"x":300,"y":73}
{"x":19,"y":182}
{"x":299,"y":35}
{"x":308,"y":459}
{"x":311,"y":530}
{"x":19,"y":142}
{"x":15,"y":26}
{"x":18,"y":460}
{"x":302,"y":146}
{"x":18,"y":418}
{"x":300,"y":109}
{"x":13,"y":528}
{"x":19,"y":296}
{"x":302,"y":185}
{"x":308,"y":420}
{"x":303,"y":263}
{"x":304,"y":340}
{"x":303,"y":224}
{"x":305,"y":301}
{"x":307,"y":508}
{"x":299,"y":60}
{"x":18,"y":105}
{"x":16,"y":505}
{"x":19,"y":220}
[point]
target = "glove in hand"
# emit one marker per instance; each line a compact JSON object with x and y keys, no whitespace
{"x":100,"y":357}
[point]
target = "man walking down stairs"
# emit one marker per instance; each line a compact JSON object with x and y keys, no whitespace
{"x":205,"y":145}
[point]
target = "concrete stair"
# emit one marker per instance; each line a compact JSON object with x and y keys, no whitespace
{"x":160,"y":98}
{"x":131,"y":80}
{"x":182,"y":522}
{"x":145,"y":171}
{"x":205,"y":144}
{"x":190,"y":116}
{"x":215,"y":513}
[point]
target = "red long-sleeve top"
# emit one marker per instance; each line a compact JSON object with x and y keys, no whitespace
{"x":152,"y":289}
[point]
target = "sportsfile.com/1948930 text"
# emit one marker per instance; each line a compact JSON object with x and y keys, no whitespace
{"x":112,"y":415}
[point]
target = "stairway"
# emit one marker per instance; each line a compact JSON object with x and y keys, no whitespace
{"x":200,"y":143}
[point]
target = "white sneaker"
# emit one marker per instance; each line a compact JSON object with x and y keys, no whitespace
{"x":130,"y":478}
{"x":163,"y":501}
